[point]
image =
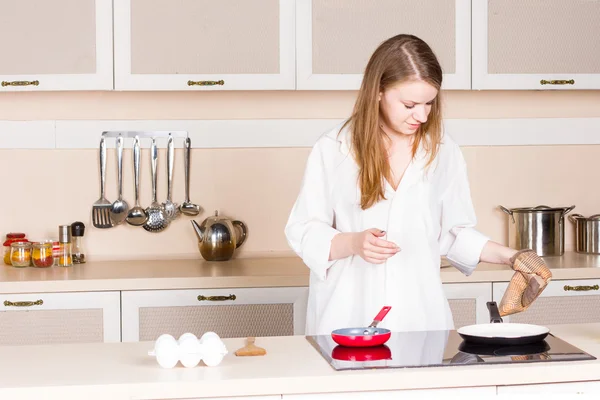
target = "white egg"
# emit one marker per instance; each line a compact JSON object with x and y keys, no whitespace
{"x":166,"y":350}
{"x":212,"y":359}
{"x":189,"y":351}
{"x":187,"y":335}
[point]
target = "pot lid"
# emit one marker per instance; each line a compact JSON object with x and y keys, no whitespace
{"x":541,"y":209}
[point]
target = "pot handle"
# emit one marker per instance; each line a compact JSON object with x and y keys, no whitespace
{"x":574,"y":217}
{"x":494,"y":312}
{"x":243,"y":229}
{"x":509,"y":212}
{"x":566,"y":211}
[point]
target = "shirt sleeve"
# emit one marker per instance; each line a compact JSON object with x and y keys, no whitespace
{"x":459,"y":240}
{"x":309,"y":229}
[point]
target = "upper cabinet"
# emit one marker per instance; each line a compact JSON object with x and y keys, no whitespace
{"x":335,"y":38}
{"x":56,"y":45}
{"x":536,"y":44}
{"x":204,"y":44}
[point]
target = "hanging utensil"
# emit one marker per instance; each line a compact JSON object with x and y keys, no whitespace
{"x":137,"y":215}
{"x":171,"y":209}
{"x":364,"y":337}
{"x":187,"y":207}
{"x":504,"y":334}
{"x":101,"y":208}
{"x":119,"y":209}
{"x":157,"y":220}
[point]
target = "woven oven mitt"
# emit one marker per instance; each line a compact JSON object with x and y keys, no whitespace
{"x":529,"y":281}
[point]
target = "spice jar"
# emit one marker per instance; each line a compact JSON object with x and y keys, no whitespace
{"x":42,"y":254}
{"x":65,"y":257}
{"x":20,"y":254}
{"x":77,"y":230}
{"x":10,"y":238}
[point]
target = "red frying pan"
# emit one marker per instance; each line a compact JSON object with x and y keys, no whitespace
{"x":364,"y":337}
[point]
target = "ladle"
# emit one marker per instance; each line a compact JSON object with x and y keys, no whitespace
{"x":137,"y":215}
{"x":119,"y":209}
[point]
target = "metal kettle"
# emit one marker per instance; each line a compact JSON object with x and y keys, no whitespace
{"x":218,"y":238}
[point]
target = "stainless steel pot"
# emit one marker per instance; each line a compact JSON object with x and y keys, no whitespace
{"x":541,"y":229}
{"x":587,"y":233}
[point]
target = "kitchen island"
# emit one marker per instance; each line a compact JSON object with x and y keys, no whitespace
{"x":292,"y":368}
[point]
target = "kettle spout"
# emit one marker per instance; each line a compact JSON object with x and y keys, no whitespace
{"x":198,"y":230}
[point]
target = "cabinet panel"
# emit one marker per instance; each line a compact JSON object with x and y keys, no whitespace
{"x":56,"y":45}
{"x":562,"y":302}
{"x":335,"y":38}
{"x":467,"y":302}
{"x":216,"y":44}
{"x":228,"y":312}
{"x":519,"y":43}
{"x":48,"y":318}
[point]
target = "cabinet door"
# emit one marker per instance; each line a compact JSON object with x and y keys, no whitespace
{"x":468,"y":302}
{"x":536,"y":44}
{"x":48,"y":318}
{"x":204,"y":44}
{"x":56,"y":45}
{"x":562,"y":302}
{"x":229,"y":312}
{"x":336,"y":38}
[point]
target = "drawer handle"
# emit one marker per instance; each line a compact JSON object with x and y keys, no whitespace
{"x":581,"y":288}
{"x":23,"y":303}
{"x":558,"y":82}
{"x":206,"y":83}
{"x":20,"y":83}
{"x":216,"y":298}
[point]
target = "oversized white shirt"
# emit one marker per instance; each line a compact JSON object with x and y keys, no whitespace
{"x":429,"y":215}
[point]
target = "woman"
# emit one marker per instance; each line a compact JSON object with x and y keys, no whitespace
{"x":384,"y":196}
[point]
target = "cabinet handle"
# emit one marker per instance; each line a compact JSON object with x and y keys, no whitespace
{"x":557,"y":82}
{"x":23,"y":303}
{"x":216,"y":298}
{"x":20,"y":83}
{"x":206,"y":83}
{"x":581,"y":288}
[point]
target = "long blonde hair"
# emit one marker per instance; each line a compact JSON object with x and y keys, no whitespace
{"x":398,"y":59}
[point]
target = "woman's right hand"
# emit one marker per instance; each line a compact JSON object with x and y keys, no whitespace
{"x":371,"y":248}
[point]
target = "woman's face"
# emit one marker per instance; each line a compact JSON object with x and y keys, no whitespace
{"x":405,"y":106}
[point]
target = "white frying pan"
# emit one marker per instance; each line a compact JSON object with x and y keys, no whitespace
{"x":498,"y":333}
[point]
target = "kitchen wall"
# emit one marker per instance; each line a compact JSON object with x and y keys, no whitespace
{"x":45,"y":188}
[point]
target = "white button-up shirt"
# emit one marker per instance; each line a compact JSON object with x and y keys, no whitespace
{"x":429,"y":215}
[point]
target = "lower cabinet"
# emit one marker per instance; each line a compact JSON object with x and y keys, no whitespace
{"x":280,"y":311}
{"x":562,"y":302}
{"x":51,"y":318}
{"x":468,"y":302}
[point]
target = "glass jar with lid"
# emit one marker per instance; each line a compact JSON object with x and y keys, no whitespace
{"x":10,"y":238}
{"x":42,"y":256}
{"x":20,"y":254}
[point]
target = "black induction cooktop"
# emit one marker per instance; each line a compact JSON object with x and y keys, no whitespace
{"x":440,"y":349}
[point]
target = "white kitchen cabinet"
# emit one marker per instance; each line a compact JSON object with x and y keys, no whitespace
{"x":468,"y":302}
{"x":56,"y":45}
{"x":398,"y":394}
{"x":204,"y":44}
{"x":48,"y":318}
{"x":536,"y":44}
{"x":146,"y":314}
{"x":335,"y":38}
{"x":562,"y":302}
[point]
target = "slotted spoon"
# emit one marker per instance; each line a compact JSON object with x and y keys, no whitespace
{"x":157,"y":219}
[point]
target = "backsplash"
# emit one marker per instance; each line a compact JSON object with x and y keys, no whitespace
{"x":258,"y":185}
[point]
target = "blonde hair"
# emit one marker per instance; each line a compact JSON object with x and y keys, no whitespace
{"x":398,"y":59}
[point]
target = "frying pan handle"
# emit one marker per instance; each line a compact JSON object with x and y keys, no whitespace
{"x":379,"y":317}
{"x":494,"y":312}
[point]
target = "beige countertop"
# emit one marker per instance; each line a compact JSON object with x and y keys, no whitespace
{"x":125,"y":371}
{"x":242,"y":272}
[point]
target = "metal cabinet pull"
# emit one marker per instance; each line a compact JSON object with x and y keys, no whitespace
{"x":206,"y":83}
{"x":581,"y":288}
{"x":23,"y":303}
{"x":21,"y":83}
{"x":558,"y":82}
{"x":216,"y":298}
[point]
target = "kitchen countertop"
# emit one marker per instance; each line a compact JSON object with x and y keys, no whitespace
{"x":236,"y":273}
{"x":124,"y":370}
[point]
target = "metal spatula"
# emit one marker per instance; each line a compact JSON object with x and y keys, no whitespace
{"x":101,"y":208}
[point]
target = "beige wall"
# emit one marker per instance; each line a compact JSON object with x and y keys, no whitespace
{"x":59,"y":186}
